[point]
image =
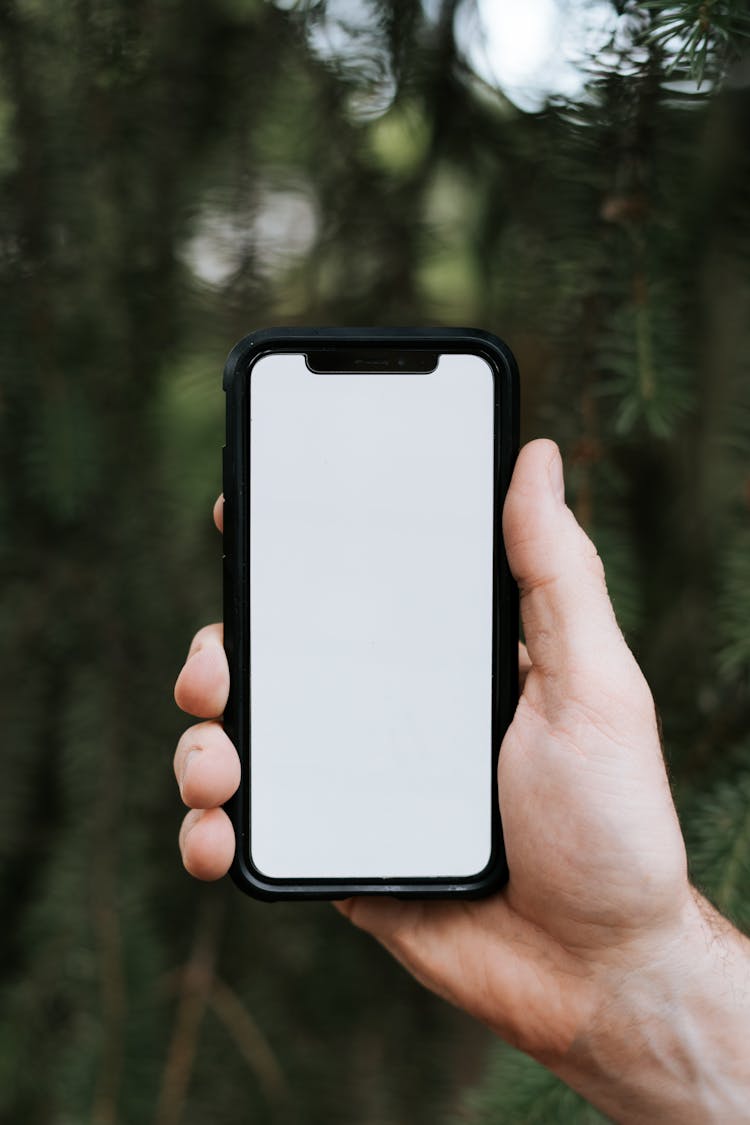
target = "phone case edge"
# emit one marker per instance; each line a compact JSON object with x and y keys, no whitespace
{"x":246,"y":351}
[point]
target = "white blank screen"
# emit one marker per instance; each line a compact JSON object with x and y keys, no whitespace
{"x":371,"y":543}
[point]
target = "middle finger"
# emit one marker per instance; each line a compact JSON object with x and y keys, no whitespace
{"x":206,"y":766}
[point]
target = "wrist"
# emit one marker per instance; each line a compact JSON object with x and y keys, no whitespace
{"x":668,"y":1039}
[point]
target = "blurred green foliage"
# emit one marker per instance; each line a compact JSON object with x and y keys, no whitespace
{"x":173,"y":174}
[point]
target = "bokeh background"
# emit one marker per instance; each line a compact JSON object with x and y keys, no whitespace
{"x":173,"y":173}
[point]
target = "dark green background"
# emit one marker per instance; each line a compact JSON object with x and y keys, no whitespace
{"x":608,"y":241}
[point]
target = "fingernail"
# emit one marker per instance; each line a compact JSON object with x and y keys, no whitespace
{"x":185,"y":829}
{"x":181,"y":673}
{"x":191,"y":754}
{"x":556,"y":479}
{"x":193,"y":817}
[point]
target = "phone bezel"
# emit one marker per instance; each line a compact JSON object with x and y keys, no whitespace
{"x":237,"y":375}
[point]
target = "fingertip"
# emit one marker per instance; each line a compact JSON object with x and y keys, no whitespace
{"x":187,"y":687}
{"x":219,"y":513}
{"x":180,"y":693}
{"x":538,"y":462}
{"x":555,"y":474}
{"x":344,"y":906}
{"x":209,"y":635}
{"x":202,"y":686}
{"x":207,"y":844}
{"x":565,"y":608}
{"x":382,"y":917}
{"x":208,"y":767}
{"x":533,"y":518}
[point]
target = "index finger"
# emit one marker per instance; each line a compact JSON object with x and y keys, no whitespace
{"x":219,"y":512}
{"x":203,"y":684}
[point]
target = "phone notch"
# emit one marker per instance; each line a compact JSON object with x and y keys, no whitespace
{"x":371,"y":361}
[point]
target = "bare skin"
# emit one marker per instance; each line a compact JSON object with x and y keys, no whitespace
{"x":598,"y":928}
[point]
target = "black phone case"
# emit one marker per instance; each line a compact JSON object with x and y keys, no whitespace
{"x":237,"y":374}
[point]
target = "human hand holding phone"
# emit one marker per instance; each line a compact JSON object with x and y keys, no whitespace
{"x":598,"y":958}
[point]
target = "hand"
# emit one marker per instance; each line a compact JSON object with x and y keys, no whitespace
{"x":598,"y":889}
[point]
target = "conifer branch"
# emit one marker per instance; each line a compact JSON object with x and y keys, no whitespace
{"x":196,"y":983}
{"x":737,"y":864}
{"x":105,"y":906}
{"x":250,"y":1040}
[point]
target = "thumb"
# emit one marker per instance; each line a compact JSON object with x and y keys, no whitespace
{"x":567,"y":616}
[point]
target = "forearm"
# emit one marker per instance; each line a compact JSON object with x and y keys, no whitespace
{"x":672,"y":1042}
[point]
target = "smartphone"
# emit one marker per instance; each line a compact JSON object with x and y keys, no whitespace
{"x":371,"y":622}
